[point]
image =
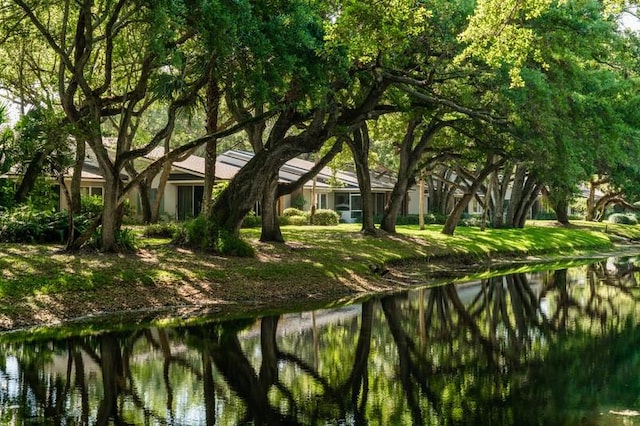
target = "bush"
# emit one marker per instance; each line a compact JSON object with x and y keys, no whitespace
{"x":298,"y":202}
{"x":26,"y":224}
{"x":435,"y":218}
{"x":251,"y":221}
{"x":196,"y":234}
{"x":91,"y":205}
{"x":292,"y":211}
{"x":623,"y":218}
{"x":202,"y":234}
{"x":546,"y":216}
{"x":230,"y":245}
{"x":472,"y":220}
{"x":126,"y":239}
{"x":293,"y":220}
{"x":161,"y":230}
{"x":325,"y":217}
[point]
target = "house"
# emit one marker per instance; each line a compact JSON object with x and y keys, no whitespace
{"x":183,"y":193}
{"x":337,"y":191}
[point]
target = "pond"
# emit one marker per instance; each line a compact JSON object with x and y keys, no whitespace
{"x":552,"y":347}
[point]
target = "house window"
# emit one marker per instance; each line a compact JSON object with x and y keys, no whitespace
{"x":322,"y":201}
{"x":342,"y":202}
{"x":91,"y":190}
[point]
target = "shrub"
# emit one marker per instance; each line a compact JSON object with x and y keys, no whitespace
{"x":161,"y":230}
{"x":293,"y":220}
{"x":30,"y":225}
{"x":435,"y":218}
{"x":325,"y":217}
{"x":126,"y":239}
{"x":202,"y":234}
{"x":91,"y":205}
{"x":546,"y":216}
{"x":292,"y":211}
{"x":623,"y":218}
{"x":197,"y":233}
{"x":251,"y":221}
{"x":298,"y":202}
{"x":230,"y":245}
{"x":472,"y":220}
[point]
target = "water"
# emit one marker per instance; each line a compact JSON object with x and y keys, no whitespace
{"x":557,"y":347}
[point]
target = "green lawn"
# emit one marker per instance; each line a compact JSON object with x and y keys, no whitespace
{"x":316,"y":262}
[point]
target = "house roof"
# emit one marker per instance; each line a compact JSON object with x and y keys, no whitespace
{"x":293,"y":169}
{"x":230,"y":162}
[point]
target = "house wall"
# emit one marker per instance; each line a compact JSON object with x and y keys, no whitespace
{"x":413,"y":201}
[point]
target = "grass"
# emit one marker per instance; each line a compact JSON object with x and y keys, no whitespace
{"x":39,"y":283}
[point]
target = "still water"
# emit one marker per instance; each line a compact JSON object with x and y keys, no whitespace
{"x":554,"y":347}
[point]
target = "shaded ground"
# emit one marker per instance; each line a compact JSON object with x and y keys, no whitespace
{"x":40,"y":285}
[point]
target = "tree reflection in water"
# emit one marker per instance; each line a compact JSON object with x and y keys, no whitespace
{"x":559,"y":347}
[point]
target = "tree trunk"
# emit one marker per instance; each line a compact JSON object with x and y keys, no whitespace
{"x":270,"y":225}
{"x":516,"y":194}
{"x":455,"y":215}
{"x":162,"y":184}
{"x":453,"y":219}
{"x":521,"y":205}
{"x":421,"y":203}
{"x":30,"y":176}
{"x":214,"y":95}
{"x":561,"y":208}
{"x":110,"y":212}
{"x":532,"y":199}
{"x":394,"y":205}
{"x":559,"y":200}
{"x":360,"y":148}
{"x":410,"y":155}
{"x":144,"y":189}
{"x":591,"y":202}
{"x":499,"y":195}
{"x":76,"y":179}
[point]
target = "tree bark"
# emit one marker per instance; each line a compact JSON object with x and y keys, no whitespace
{"x":410,"y":156}
{"x":30,"y":176}
{"x":456,"y":214}
{"x":270,"y":225}
{"x":359,"y":145}
{"x":516,"y":194}
{"x":144,"y":189}
{"x":214,"y":96}
{"x":76,"y":179}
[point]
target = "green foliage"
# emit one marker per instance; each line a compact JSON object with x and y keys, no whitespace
{"x":326,"y":217}
{"x":201,"y":233}
{"x":31,"y":225}
{"x":623,"y":218}
{"x":26,"y":224}
{"x":7,"y":193}
{"x":546,"y":216}
{"x":472,"y":220}
{"x":298,"y":202}
{"x":294,"y":220}
{"x":44,"y":195}
{"x":91,"y":205}
{"x":414,"y":219}
{"x":231,"y":245}
{"x":126,"y":240}
{"x":292,"y":211}
{"x":251,"y":220}
{"x":161,"y":230}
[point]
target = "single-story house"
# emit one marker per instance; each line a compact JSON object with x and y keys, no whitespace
{"x":182,"y":196}
{"x":337,"y":191}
